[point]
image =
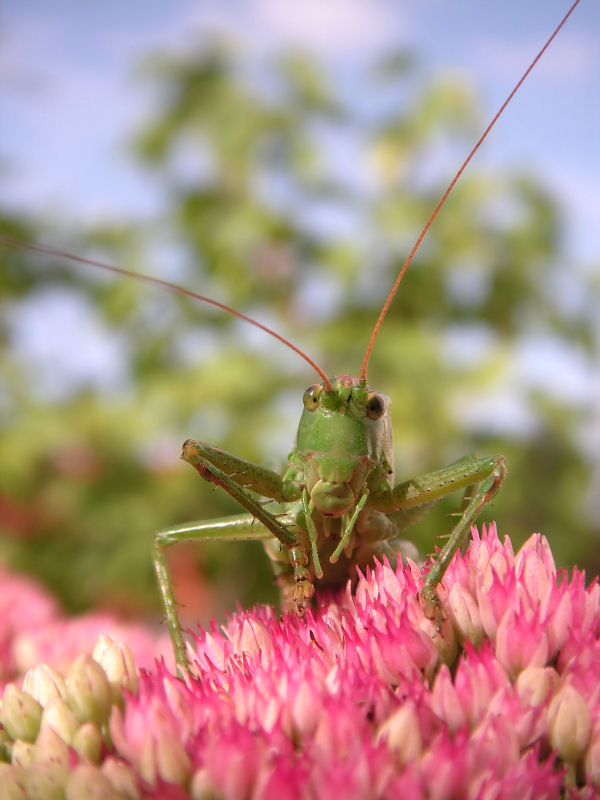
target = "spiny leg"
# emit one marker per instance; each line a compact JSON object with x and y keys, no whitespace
{"x":480,"y":477}
{"x":227,"y":529}
{"x":481,"y":495}
{"x":240,"y":474}
{"x":260,"y":525}
{"x":259,"y":479}
{"x":234,"y":484}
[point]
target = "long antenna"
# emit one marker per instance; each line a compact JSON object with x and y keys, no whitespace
{"x":390,"y":297}
{"x":7,"y":241}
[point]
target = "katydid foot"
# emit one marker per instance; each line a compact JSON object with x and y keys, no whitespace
{"x":432,"y":605}
{"x":302,"y":593}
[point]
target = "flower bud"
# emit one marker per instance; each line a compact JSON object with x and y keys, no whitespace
{"x":444,"y":639}
{"x":12,"y":783}
{"x":569,"y":724}
{"x":172,"y":761}
{"x":252,"y":637}
{"x":116,"y":660}
{"x":201,"y":787}
{"x":50,"y":747}
{"x":88,"y":782}
{"x":122,"y":778}
{"x":46,"y":781}
{"x":87,"y":742}
{"x":535,"y":685}
{"x":445,"y":701}
{"x":5,"y":746}
{"x":22,"y":754}
{"x":58,"y":716}
{"x":402,"y":733}
{"x":20,"y":714}
{"x":88,"y":691}
{"x":464,"y":613}
{"x":520,"y":643}
{"x":592,"y":759}
{"x":162,"y":756}
{"x":305,"y":709}
{"x":42,"y":683}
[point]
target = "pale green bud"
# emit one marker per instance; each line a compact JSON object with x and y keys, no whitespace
{"x":172,"y":761}
{"x":87,"y":742}
{"x":122,"y":777}
{"x":569,"y":724}
{"x":12,"y":786}
{"x":165,"y":757}
{"x":46,"y":781}
{"x":43,"y":683}
{"x":201,"y":787}
{"x":592,"y":759}
{"x":465,"y":615}
{"x":87,"y":782}
{"x":443,"y":638}
{"x":116,"y":660}
{"x":49,"y":747}
{"x":88,"y":691}
{"x":22,"y":753}
{"x":535,"y":685}
{"x":402,"y":733}
{"x":20,"y":714}
{"x":103,"y":643}
{"x":5,"y":746}
{"x":58,"y":716}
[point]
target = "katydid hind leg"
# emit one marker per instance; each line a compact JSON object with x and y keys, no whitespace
{"x":478,"y":478}
{"x":477,"y":496}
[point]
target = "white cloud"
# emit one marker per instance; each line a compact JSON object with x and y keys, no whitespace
{"x":333,"y":27}
{"x":569,"y":58}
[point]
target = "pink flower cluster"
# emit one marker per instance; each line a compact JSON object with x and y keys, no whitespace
{"x":33,"y":629}
{"x":366,"y":699}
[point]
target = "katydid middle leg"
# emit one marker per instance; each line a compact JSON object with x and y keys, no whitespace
{"x":242,"y":528}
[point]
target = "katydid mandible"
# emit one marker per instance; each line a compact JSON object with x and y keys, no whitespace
{"x":338,"y":504}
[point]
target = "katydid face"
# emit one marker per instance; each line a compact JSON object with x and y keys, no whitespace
{"x":342,"y":436}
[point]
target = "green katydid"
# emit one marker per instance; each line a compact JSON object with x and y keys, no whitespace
{"x":342,"y":507}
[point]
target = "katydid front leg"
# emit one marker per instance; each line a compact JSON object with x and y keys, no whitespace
{"x":234,"y":474}
{"x":481,"y":477}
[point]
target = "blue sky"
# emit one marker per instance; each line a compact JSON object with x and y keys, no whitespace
{"x":69,"y":99}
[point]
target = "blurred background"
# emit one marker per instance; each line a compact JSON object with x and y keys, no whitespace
{"x":283,"y":158}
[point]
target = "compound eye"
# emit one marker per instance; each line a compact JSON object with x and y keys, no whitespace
{"x":311,"y":397}
{"x":375,"y":406}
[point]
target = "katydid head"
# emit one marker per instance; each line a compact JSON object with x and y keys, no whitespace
{"x":343,"y":435}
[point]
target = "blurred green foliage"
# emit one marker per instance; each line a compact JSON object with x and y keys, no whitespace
{"x":298,"y":205}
